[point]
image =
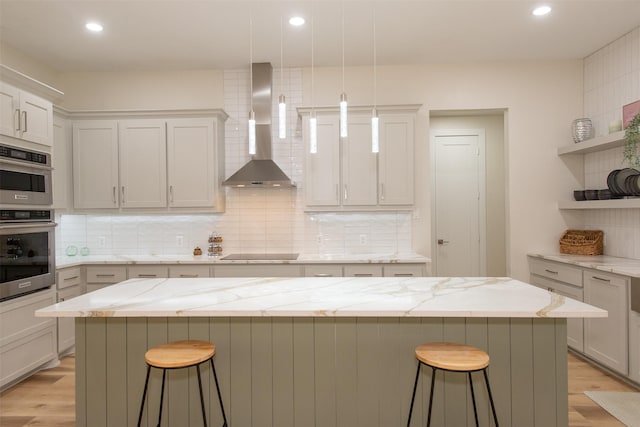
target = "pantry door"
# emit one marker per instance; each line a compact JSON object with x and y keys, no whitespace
{"x":458,"y":196}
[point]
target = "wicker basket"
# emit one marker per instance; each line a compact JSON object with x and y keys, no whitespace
{"x":582,"y":242}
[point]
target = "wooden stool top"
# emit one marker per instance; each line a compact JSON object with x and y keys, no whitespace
{"x":179,"y":354}
{"x":452,"y":357}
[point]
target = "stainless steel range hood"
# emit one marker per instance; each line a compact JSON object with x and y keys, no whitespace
{"x":261,"y":171}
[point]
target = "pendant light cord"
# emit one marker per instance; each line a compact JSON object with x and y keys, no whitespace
{"x":375,"y":68}
{"x":342,"y":46}
{"x":251,"y":61}
{"x":312,"y":61}
{"x":281,"y":59}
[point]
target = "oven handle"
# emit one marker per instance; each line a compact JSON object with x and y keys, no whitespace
{"x":24,"y":165}
{"x":29,"y":225}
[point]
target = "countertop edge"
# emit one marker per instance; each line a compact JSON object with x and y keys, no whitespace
{"x":622,"y":266}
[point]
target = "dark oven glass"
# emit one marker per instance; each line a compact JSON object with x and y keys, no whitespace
{"x":21,"y":181}
{"x":24,"y":255}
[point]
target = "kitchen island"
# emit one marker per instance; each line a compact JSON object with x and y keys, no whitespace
{"x":322,"y":351}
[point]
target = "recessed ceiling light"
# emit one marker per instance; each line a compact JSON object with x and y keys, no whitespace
{"x":296,"y":21}
{"x":93,"y":26}
{"x":541,"y":10}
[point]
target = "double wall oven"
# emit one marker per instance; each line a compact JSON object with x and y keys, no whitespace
{"x":27,"y":224}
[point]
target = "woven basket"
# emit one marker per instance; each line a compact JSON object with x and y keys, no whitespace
{"x":582,"y":242}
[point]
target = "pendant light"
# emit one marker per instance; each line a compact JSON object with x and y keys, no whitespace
{"x":252,"y":114}
{"x":313,"y":122}
{"x":282,"y":105}
{"x":343,"y":96}
{"x":375,"y":130}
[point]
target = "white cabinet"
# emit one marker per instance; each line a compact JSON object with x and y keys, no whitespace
{"x":322,"y":270}
{"x":345,"y":175}
{"x":142,"y":148}
{"x":66,"y":325}
{"x":95,"y":164}
{"x":395,"y":160}
{"x":257,"y":270}
{"x":362,"y":270}
{"x":606,"y":339}
{"x":26,"y":342}
{"x":322,"y":168}
{"x":99,"y":277}
{"x":61,"y":160}
{"x":195,"y":163}
{"x":406,"y":270}
{"x":25,"y":116}
{"x":149,"y":164}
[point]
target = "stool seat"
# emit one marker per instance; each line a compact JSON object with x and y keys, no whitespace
{"x":452,"y":356}
{"x":180,"y":354}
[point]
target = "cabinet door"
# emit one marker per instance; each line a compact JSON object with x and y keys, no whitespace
{"x":362,"y":271}
{"x":66,"y":325}
{"x":147,"y":272}
{"x":189,"y":271}
{"x":257,"y":270}
{"x":395,"y":270}
{"x":322,"y":270}
{"x":191,"y":163}
{"x":322,"y":169}
{"x":359,"y":165}
{"x":9,"y":104}
{"x":634,"y":345}
{"x":61,"y":161}
{"x":395,"y":160}
{"x":606,"y":339}
{"x":143,"y":163}
{"x":95,"y":164}
{"x":36,"y":119}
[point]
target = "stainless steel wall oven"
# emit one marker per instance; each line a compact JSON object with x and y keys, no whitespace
{"x":25,"y":177}
{"x":27,"y":251}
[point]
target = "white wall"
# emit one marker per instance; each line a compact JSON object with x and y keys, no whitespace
{"x":612,"y":79}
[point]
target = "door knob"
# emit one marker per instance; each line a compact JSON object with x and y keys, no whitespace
{"x":442,"y":242}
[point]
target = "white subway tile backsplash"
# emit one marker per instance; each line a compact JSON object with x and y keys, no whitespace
{"x":611,"y":80}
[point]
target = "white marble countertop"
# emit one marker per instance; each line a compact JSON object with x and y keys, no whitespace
{"x":624,"y":266}
{"x":322,"y":297}
{"x":71,"y":261}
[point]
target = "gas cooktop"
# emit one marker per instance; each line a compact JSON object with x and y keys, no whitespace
{"x":261,"y":257}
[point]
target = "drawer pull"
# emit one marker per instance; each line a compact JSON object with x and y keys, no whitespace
{"x":363,"y":275}
{"x":147,"y":275}
{"x":550,"y":271}
{"x":403,"y":274}
{"x":323,"y":275}
{"x":601,"y":279}
{"x":105,"y":275}
{"x":71,"y":278}
{"x":188,"y":275}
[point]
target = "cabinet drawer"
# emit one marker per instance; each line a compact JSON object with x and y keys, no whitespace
{"x":403,"y":271}
{"x":561,"y":288}
{"x":69,"y":277}
{"x":256,"y":270}
{"x":186,"y":271}
{"x":323,"y":271}
{"x":17,"y":315}
{"x":26,"y":355}
{"x":106,"y":274}
{"x":556,"y":271}
{"x":362,"y":271}
{"x":604,"y":278}
{"x":148,"y":272}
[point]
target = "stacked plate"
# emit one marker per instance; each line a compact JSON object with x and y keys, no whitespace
{"x":624,"y":182}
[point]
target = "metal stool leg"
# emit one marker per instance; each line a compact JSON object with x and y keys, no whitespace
{"x":493,"y":408}
{"x":473,"y":398}
{"x":164,"y":374}
{"x":413,"y":396}
{"x":215,"y":377}
{"x":204,"y":415}
{"x":433,"y":381}
{"x":144,"y":395}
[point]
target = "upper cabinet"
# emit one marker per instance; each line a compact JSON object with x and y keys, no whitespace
{"x":344,"y":173}
{"x":25,"y":116}
{"x":158,"y":165}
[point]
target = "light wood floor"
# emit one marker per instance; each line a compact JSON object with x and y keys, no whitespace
{"x":47,"y":398}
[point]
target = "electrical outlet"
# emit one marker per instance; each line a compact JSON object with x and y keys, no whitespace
{"x":102,"y":241}
{"x":363,"y":239}
{"x":179,"y":241}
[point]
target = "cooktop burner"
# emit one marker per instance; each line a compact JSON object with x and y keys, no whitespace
{"x":261,"y":257}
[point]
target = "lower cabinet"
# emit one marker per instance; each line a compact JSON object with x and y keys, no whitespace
{"x":634,"y":345}
{"x":362,"y":270}
{"x":322,"y":270}
{"x":26,"y":342}
{"x":147,"y":272}
{"x":606,"y":339}
{"x":99,"y":277}
{"x":66,"y":325}
{"x":408,"y":270}
{"x":258,"y":270}
{"x":189,"y":271}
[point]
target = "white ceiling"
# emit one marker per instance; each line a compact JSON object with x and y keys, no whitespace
{"x":197,"y":34}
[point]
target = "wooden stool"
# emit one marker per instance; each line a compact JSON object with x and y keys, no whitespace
{"x":177,"y":355}
{"x":455,"y":358}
